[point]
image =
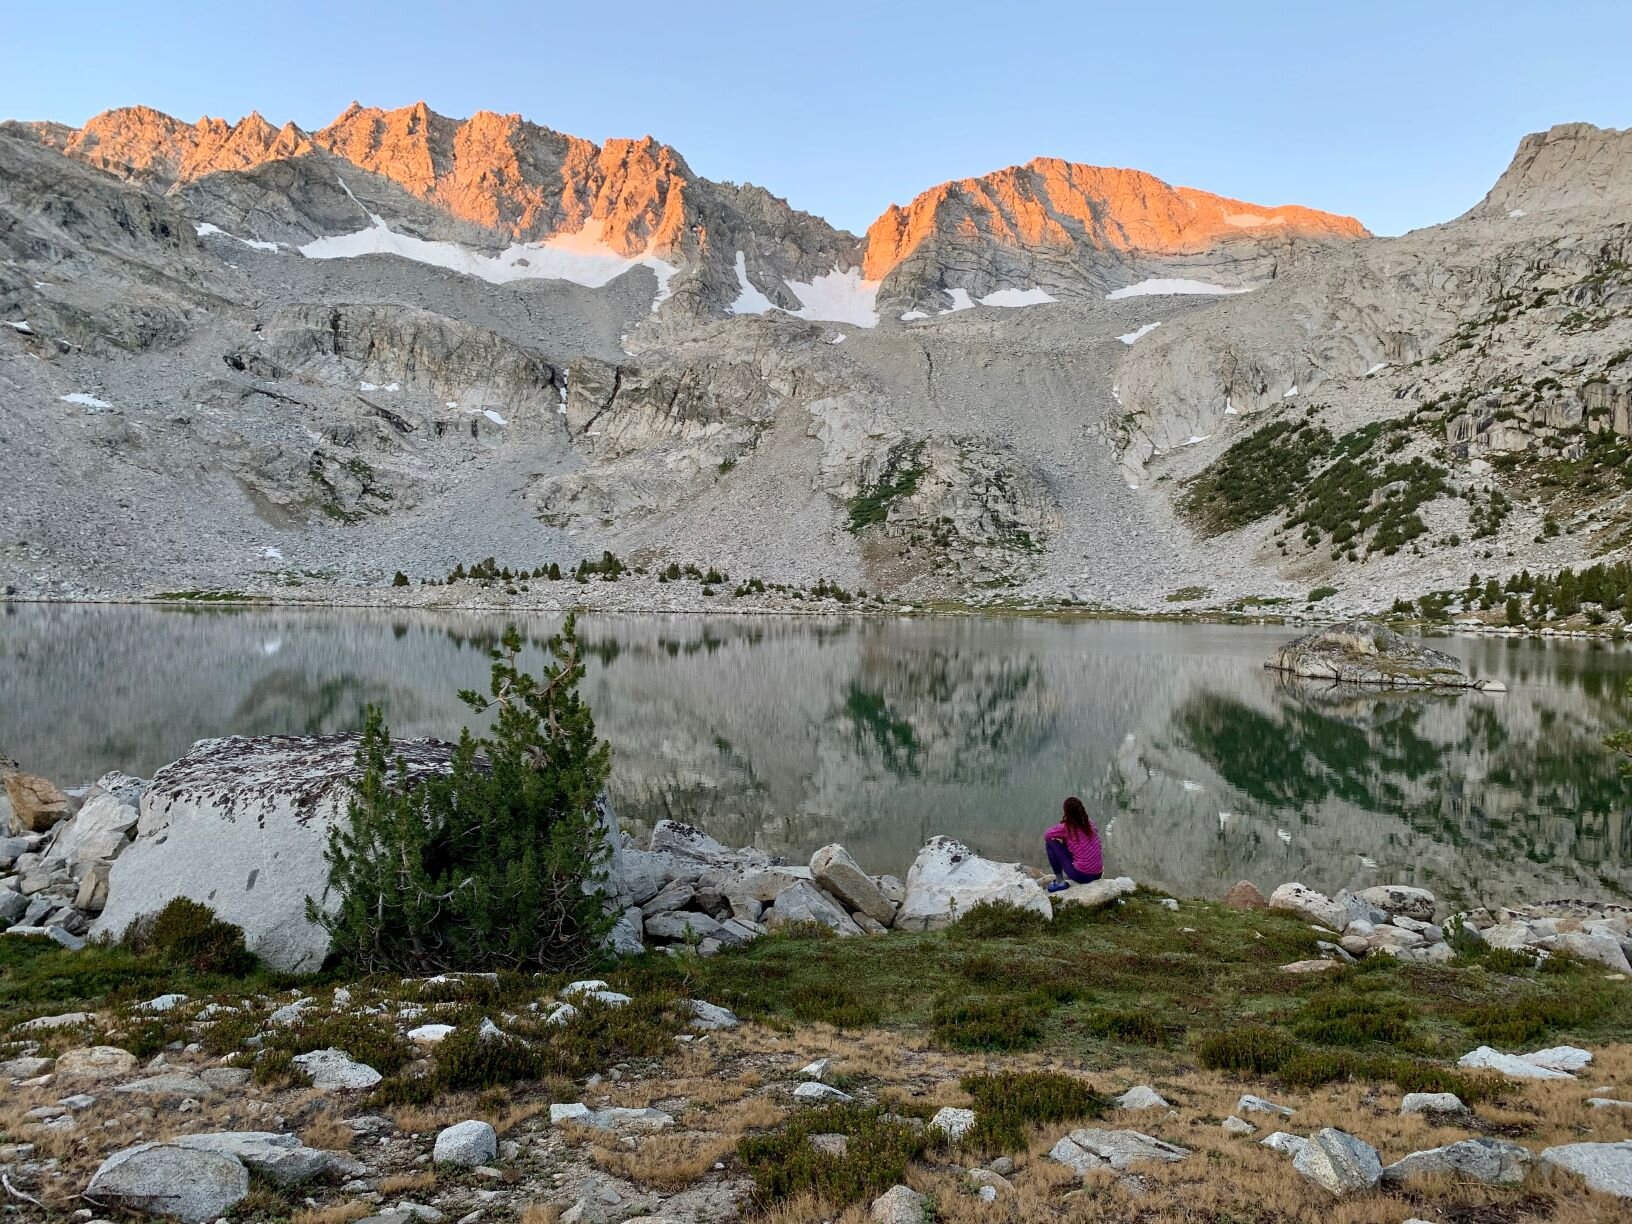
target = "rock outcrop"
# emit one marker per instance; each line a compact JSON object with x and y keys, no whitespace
{"x":1372,"y":655}
{"x":948,"y":879}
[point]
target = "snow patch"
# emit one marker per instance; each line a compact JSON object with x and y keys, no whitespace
{"x":1195,"y":438}
{"x":960,"y":301}
{"x":1164,"y":285}
{"x":21,"y":327}
{"x":838,"y":339}
{"x":910,"y":315}
{"x":272,"y":554}
{"x":84,"y":400}
{"x":205,"y":229}
{"x":494,"y":417}
{"x":1381,"y":365}
{"x":368,"y":386}
{"x":1516,"y":213}
{"x":582,"y":258}
{"x":1290,"y":391}
{"x":1017,"y":297}
{"x":837,"y":297}
{"x":1139,"y":333}
{"x":1250,"y":220}
{"x":750,"y":300}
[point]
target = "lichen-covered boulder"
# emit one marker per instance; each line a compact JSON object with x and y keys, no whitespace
{"x":240,"y":824}
{"x":163,"y":1179}
{"x":948,"y":880}
{"x":1309,"y":905}
{"x":1339,"y":1162}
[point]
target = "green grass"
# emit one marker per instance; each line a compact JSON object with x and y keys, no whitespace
{"x":1126,"y":980}
{"x":1120,"y":983}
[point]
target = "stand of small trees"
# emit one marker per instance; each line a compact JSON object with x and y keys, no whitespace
{"x":497,"y":863}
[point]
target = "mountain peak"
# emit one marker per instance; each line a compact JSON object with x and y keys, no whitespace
{"x":1570,"y":165}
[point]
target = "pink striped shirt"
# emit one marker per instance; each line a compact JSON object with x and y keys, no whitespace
{"x":1084,"y":847}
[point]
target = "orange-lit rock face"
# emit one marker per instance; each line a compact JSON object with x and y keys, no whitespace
{"x":499,"y":171}
{"x":1049,"y":204}
{"x":140,"y":142}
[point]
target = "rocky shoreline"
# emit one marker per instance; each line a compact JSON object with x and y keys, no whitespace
{"x":242,"y":823}
{"x":278,"y":1087}
{"x":655,"y":601}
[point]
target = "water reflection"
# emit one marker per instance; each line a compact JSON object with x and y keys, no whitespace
{"x":1202,"y":767}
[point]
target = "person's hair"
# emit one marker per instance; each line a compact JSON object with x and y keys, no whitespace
{"x":1076,"y":816}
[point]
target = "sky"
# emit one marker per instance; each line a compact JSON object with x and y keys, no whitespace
{"x":1401,"y":114}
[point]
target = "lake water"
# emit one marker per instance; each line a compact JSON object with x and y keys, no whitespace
{"x":787,"y":733}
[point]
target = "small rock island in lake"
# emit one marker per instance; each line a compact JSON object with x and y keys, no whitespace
{"x":1360,"y":652}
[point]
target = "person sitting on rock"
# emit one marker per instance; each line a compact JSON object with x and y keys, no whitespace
{"x":1073,"y":848}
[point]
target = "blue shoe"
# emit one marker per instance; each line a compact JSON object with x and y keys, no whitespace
{"x":1059,"y":886}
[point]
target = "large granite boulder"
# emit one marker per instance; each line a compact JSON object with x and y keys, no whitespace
{"x":1607,"y":1167}
{"x":948,"y":880}
{"x":101,"y":829}
{"x":804,"y":902}
{"x":163,"y":1179}
{"x":1360,"y":652}
{"x":241,"y":824}
{"x":280,"y":1158}
{"x":1309,"y":905}
{"x":839,"y":874}
{"x":1339,"y":1162}
{"x":1495,"y":1162}
{"x":36,"y":804}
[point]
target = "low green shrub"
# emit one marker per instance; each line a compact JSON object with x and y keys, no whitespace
{"x":1248,"y":1049}
{"x":834,"y":1003}
{"x":1133,"y":1027}
{"x":986,"y":1022}
{"x":364,"y":1038}
{"x":999,"y":920}
{"x":879,"y":1148}
{"x":1007,"y":1104}
{"x":188,"y":933}
{"x":1355,"y":1018}
{"x":467,"y":1060}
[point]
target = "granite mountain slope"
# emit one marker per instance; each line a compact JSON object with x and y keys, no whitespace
{"x":254,"y":357}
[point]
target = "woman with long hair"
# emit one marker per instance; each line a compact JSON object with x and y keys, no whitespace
{"x":1073,"y":848}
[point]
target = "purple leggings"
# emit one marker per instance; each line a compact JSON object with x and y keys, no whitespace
{"x":1059,"y":858}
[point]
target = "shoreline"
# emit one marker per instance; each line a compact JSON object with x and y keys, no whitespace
{"x":377,"y":599}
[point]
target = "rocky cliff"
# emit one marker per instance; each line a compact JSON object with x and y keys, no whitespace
{"x":1077,"y":231}
{"x":489,"y":181}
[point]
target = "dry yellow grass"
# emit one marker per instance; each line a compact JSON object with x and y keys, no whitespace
{"x":405,"y":1183}
{"x":327,"y":1131}
{"x":666,"y":1162}
{"x":1230,"y":1179}
{"x":540,"y":1213}
{"x":340,"y":1213}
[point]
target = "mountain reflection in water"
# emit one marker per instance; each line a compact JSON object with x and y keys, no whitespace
{"x":787,"y":733}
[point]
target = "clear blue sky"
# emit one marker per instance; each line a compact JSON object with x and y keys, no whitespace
{"x":1399,"y":113}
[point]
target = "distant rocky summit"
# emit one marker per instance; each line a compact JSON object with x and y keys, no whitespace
{"x":1361,"y":652}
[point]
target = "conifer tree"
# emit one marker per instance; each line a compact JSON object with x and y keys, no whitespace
{"x":499,"y":862}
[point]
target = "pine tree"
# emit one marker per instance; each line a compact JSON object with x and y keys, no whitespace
{"x":496,"y":864}
{"x":1515,"y":611}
